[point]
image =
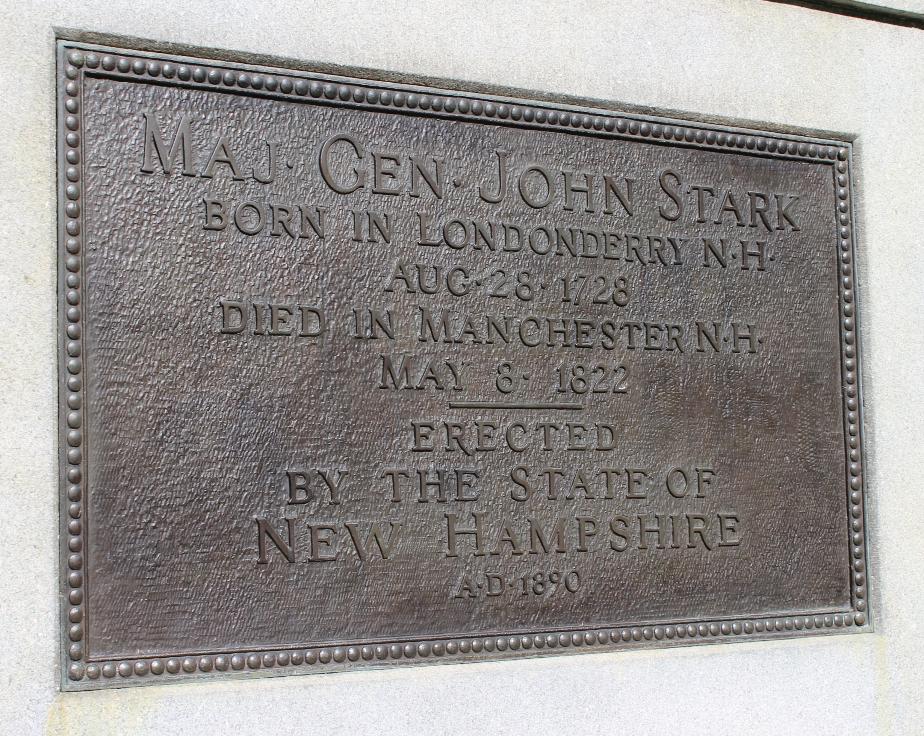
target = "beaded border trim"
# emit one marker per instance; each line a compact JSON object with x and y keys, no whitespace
{"x":75,"y":60}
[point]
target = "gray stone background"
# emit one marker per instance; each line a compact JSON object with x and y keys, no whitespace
{"x":741,"y":61}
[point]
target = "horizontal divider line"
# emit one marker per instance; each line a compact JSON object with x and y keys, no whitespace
{"x":512,"y":405}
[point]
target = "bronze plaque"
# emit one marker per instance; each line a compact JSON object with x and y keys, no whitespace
{"x":359,"y":372}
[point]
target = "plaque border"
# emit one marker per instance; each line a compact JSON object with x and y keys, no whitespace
{"x":77,"y":59}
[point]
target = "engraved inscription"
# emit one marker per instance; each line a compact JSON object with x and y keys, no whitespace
{"x":370,"y":372}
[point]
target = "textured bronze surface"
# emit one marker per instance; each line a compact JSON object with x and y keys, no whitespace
{"x":361,"y":372}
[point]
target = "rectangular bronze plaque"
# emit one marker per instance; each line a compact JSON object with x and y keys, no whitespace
{"x":363,"y":373}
